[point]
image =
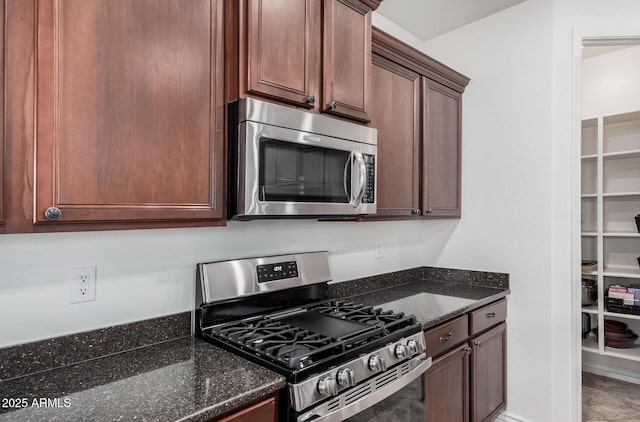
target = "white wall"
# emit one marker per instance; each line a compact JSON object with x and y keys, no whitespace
{"x":148,"y":273}
{"x":518,"y":186}
{"x":506,"y":179}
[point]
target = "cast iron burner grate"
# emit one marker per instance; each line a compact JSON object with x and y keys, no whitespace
{"x":312,"y":335}
{"x":292,"y":346}
{"x":374,"y":317}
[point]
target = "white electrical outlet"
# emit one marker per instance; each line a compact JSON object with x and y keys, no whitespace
{"x":83,"y":284}
{"x":379,"y":250}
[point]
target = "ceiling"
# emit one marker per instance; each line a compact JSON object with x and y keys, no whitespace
{"x":594,"y":51}
{"x":429,"y":18}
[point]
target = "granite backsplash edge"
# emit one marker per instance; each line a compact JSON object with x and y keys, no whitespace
{"x":397,"y":278}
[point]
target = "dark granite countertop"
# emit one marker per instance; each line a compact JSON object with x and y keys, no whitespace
{"x":432,"y":302}
{"x":185,"y":379}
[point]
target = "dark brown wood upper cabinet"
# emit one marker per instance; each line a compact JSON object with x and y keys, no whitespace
{"x":347,"y":59}
{"x":441,"y":152}
{"x":283,"y":40}
{"x":129,"y":110}
{"x":425,"y":121}
{"x":2,"y":202}
{"x":395,"y":112}
{"x":314,"y":54}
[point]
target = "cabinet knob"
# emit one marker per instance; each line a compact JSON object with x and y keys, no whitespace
{"x":333,"y":105}
{"x":415,"y":212}
{"x":429,"y":211}
{"x":52,"y":213}
{"x":310,"y":99}
{"x":468,"y":350}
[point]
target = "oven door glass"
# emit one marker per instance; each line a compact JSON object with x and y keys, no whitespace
{"x":405,"y":405}
{"x":294,"y":172}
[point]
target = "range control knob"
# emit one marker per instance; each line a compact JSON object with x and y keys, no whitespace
{"x":346,"y":378}
{"x":414,"y":347}
{"x":377,"y":364}
{"x":327,"y":387}
{"x":401,"y":351}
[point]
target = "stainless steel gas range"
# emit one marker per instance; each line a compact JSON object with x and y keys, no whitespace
{"x":342,"y":360}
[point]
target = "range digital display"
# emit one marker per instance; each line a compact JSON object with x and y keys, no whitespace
{"x":279,"y":271}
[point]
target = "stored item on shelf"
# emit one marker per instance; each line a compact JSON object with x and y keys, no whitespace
{"x":623,"y":299}
{"x":616,"y":334}
{"x":638,"y":223}
{"x":589,"y":292}
{"x":611,"y":325}
{"x":589,"y":266}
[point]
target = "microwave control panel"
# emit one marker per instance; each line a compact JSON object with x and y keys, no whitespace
{"x":369,"y":193}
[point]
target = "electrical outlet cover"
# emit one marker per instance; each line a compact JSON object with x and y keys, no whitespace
{"x":83,"y":284}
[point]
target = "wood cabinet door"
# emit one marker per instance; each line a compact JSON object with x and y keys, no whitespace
{"x":395,"y":112}
{"x":129,"y":110}
{"x":488,"y":374}
{"x":283,"y":49}
{"x":346,"y":56}
{"x":441,"y":150}
{"x":2,"y":201}
{"x":264,"y":411}
{"x":447,"y":387}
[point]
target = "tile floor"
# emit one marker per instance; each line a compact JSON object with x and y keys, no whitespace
{"x":608,"y":400}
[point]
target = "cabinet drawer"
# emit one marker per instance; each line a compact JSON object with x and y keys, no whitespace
{"x":264,"y":411}
{"x":445,"y":336}
{"x":488,"y":316}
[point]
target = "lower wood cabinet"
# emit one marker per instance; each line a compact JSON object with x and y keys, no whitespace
{"x":467,"y":381}
{"x":264,"y":411}
{"x":488,"y":377}
{"x":447,"y":387}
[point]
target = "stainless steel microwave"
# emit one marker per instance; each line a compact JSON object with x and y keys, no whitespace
{"x":290,"y":163}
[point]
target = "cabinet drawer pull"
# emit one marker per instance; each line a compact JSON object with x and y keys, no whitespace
{"x":448,"y":337}
{"x":491,"y":315}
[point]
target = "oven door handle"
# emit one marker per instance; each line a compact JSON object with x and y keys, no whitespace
{"x":419,"y":366}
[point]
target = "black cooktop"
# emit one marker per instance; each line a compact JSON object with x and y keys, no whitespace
{"x":313,"y":338}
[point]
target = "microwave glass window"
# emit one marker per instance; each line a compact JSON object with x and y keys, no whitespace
{"x":303,"y":173}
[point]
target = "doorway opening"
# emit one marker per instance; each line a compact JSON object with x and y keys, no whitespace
{"x":608,"y":152}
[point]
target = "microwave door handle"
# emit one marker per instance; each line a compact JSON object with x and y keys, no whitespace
{"x":345,"y":181}
{"x":363,"y":178}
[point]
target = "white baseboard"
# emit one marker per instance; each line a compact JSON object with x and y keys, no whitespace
{"x":610,"y":371}
{"x":504,"y":417}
